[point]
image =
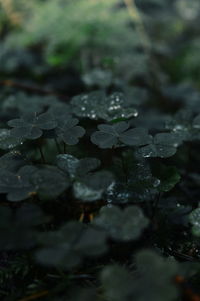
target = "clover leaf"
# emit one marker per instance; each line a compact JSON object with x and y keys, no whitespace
{"x":12,"y":161}
{"x":134,"y":180}
{"x":93,"y":185}
{"x":88,"y":185}
{"x":121,"y":285}
{"x":76,"y":167}
{"x":31,"y":126}
{"x":124,"y":225}
{"x":98,"y":180}
{"x":60,"y":111}
{"x":69,"y":132}
{"x":181,"y":124}
{"x":17,"y":227}
{"x":164,"y":145}
{"x":17,"y":186}
{"x":109,"y":136}
{"x":85,"y":193}
{"x":68,"y":246}
{"x":161,"y":286}
{"x":50,"y":182}
{"x":7,"y":141}
{"x":96,"y":105}
{"x":117,"y":283}
{"x":168,"y":176}
{"x":194,"y":218}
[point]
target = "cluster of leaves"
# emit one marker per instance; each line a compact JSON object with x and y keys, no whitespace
{"x":100,"y":191}
{"x":107,"y":183}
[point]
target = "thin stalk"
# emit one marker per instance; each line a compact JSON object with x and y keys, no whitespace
{"x":156,"y":205}
{"x":57,"y":145}
{"x":42,"y":154}
{"x":35,"y":296}
{"x":64,"y":147}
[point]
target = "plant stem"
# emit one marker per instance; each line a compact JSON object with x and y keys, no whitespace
{"x":35,"y":296}
{"x":64,"y":147}
{"x":42,"y":154}
{"x":57,"y":145}
{"x":156,"y":205}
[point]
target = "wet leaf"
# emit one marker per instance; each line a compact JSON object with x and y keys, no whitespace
{"x":17,"y":186}
{"x":68,"y":246}
{"x":96,"y":105}
{"x":123,"y":225}
{"x":30,"y":126}
{"x":164,"y":145}
{"x":110,"y":136}
{"x":69,"y":132}
{"x":50,"y":182}
{"x":7,"y":141}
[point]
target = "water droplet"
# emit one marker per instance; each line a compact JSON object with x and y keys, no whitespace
{"x":11,"y":146}
{"x":178,"y":127}
{"x":84,"y":193}
{"x":135,"y":114}
{"x":147,"y":155}
{"x":156,"y":183}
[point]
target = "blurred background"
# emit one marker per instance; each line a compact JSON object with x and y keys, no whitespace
{"x":70,"y":46}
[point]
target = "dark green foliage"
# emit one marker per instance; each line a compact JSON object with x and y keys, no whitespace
{"x":69,"y":132}
{"x":168,"y":176}
{"x":8,"y":141}
{"x":122,"y":225}
{"x":50,"y":182}
{"x":30,"y":126}
{"x":66,"y":248}
{"x":99,"y":150}
{"x":17,"y":185}
{"x":164,"y":145}
{"x":75,"y":167}
{"x":151,"y":280}
{"x":97,"y":105}
{"x":110,"y":136}
{"x":12,"y":161}
{"x":17,"y":227}
{"x":87,"y":184}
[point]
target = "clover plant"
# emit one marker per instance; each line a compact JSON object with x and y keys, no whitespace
{"x":79,"y":200}
{"x":99,"y":150}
